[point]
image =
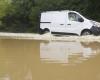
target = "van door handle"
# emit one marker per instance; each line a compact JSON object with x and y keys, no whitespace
{"x":68,"y":24}
{"x":61,"y":24}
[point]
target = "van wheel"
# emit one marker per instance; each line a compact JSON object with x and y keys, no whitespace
{"x":46,"y":31}
{"x":86,"y":32}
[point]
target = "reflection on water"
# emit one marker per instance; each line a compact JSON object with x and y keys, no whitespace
{"x":63,"y":52}
{"x":5,"y":77}
{"x":40,"y":60}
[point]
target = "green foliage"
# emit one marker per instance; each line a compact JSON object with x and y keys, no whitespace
{"x":24,"y":15}
{"x":49,"y":4}
{"x":3,"y":7}
{"x":94,"y":8}
{"x":17,"y":19}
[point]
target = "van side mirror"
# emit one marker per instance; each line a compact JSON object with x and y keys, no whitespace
{"x":80,"y":19}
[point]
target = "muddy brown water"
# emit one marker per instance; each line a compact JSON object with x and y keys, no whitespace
{"x":49,"y":60}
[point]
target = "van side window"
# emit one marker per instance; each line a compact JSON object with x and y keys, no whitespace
{"x":75,"y":17}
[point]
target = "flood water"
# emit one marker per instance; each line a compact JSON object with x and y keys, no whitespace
{"x":49,"y":60}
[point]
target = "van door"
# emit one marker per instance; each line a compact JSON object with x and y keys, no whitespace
{"x":59,"y":27}
{"x":58,"y":22}
{"x":75,"y":23}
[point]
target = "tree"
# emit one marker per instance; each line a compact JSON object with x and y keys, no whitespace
{"x":4,"y":7}
{"x":17,"y":19}
{"x":47,"y":5}
{"x":94,"y":8}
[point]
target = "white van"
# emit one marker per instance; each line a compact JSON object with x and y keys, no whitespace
{"x":66,"y":22}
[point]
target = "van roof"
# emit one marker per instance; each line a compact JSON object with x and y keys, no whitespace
{"x":59,"y":11}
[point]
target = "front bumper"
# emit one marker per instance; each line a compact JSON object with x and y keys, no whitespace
{"x":95,"y":30}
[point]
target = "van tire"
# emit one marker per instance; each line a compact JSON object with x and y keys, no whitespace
{"x":46,"y":31}
{"x":86,"y":32}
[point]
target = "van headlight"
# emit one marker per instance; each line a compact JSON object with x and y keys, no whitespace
{"x":96,"y":24}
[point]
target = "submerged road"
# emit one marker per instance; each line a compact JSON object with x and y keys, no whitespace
{"x":49,"y":37}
